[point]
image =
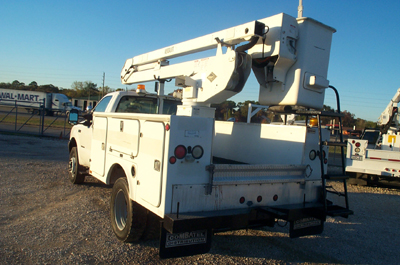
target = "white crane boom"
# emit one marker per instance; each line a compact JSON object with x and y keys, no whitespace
{"x":289,"y":58}
{"x":387,"y":114}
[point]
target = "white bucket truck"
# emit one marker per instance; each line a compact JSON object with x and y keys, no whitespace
{"x":195,"y":175}
{"x":375,"y":158}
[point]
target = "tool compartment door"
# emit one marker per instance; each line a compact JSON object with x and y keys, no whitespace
{"x":151,"y":153}
{"x":123,"y":137}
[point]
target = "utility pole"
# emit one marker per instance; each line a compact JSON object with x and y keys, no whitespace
{"x":104,"y":77}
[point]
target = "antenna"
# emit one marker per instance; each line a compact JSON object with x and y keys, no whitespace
{"x":300,"y":9}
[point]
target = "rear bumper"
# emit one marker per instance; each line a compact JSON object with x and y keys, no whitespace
{"x":241,"y":218}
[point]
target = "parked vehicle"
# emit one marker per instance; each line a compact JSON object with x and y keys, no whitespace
{"x":36,"y":101}
{"x":190,"y":175}
{"x":376,"y":156}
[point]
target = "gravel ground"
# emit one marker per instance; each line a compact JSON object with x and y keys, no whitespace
{"x":44,"y":219}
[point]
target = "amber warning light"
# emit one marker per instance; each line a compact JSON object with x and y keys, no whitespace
{"x":141,"y":89}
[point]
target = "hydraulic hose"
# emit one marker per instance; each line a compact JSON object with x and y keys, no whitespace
{"x":243,"y":48}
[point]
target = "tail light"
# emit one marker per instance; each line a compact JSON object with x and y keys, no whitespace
{"x":197,"y":152}
{"x":180,"y":151}
{"x":312,"y":155}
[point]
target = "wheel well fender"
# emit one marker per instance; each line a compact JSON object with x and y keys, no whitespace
{"x":115,"y":172}
{"x":71,"y":143}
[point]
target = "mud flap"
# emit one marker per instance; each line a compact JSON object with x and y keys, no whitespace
{"x":306,"y":226}
{"x":184,"y":244}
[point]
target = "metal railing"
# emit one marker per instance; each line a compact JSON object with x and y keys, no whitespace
{"x":32,"y":119}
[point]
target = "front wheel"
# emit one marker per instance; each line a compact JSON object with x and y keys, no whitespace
{"x":128,"y":219}
{"x":73,"y":167}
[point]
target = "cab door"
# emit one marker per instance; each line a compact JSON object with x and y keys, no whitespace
{"x":99,"y":140}
{"x":99,"y":146}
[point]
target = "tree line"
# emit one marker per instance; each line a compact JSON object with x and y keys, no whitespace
{"x":224,"y":111}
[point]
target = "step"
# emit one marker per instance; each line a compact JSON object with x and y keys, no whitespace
{"x":336,"y":192}
{"x":328,"y":143}
{"x":318,"y":112}
{"x":338,"y":211}
{"x":336,"y":177}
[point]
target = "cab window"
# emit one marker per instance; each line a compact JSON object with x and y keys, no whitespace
{"x":170,"y":106}
{"x":131,"y":104}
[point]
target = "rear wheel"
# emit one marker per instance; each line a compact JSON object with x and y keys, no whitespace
{"x":73,"y":167}
{"x":128,"y":219}
{"x":359,"y":179}
{"x":153,"y":228}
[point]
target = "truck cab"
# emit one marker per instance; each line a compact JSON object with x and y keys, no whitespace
{"x":116,"y":102}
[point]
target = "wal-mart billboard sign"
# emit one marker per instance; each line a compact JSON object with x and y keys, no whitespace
{"x":20,"y":97}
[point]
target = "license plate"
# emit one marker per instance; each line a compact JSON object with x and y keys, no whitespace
{"x":306,"y":222}
{"x":359,"y":158}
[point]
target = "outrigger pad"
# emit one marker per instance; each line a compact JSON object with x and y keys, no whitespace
{"x":185,"y":243}
{"x":305,"y":227}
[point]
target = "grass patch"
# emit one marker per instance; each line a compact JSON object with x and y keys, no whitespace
{"x":54,"y":121}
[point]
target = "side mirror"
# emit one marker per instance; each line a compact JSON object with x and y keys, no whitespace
{"x":88,"y":118}
{"x":73,"y":117}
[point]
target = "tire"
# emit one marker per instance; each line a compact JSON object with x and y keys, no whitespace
{"x":73,"y":167}
{"x":128,"y":219}
{"x":359,"y":179}
{"x":153,"y":227}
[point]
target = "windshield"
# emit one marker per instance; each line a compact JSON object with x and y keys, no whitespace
{"x":170,"y":106}
{"x":133,"y":104}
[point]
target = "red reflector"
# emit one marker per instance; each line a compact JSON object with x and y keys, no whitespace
{"x":180,"y":151}
{"x":259,"y":199}
{"x":393,"y":170}
{"x":167,"y":127}
{"x":275,"y":198}
{"x":358,"y":144}
{"x":325,"y":161}
{"x":386,"y":169}
{"x":353,"y":142}
{"x":172,"y":159}
{"x":241,"y":200}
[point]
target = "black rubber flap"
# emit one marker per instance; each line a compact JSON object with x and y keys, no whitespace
{"x":185,"y":243}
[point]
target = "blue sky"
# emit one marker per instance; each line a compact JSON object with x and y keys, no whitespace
{"x":59,"y":42}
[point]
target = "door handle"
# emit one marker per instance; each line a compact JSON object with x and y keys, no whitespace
{"x":157,"y":165}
